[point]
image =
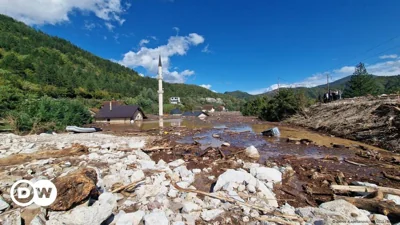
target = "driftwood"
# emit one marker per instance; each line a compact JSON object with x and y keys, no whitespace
{"x":354,"y":163}
{"x":234,"y":201}
{"x":156,"y":148}
{"x":376,"y":205}
{"x":222,"y":153}
{"x":391,"y":176}
{"x":345,"y":188}
{"x":75,"y":150}
{"x":127,"y":187}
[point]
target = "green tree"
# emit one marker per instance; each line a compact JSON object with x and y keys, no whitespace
{"x":361,"y":83}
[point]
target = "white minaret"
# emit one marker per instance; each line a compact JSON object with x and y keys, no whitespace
{"x":160,"y":89}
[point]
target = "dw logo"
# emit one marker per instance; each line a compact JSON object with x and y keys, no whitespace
{"x":42,"y":193}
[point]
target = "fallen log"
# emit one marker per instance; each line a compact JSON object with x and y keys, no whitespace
{"x":222,"y":153}
{"x":353,"y":188}
{"x":21,"y":158}
{"x":391,"y":176}
{"x":156,"y":148}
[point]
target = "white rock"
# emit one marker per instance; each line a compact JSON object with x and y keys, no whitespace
{"x":267,"y":174}
{"x":3,"y":204}
{"x":226,"y":144}
{"x":141,"y":155}
{"x":234,"y":176}
{"x":189,"y":207}
{"x":157,"y":217}
{"x":246,"y":219}
{"x":211,"y":177}
{"x":196,"y":171}
{"x":178,"y":223}
{"x":137,"y":176}
{"x":209,"y":215}
{"x":173,"y":192}
{"x":241,"y":187}
{"x":252,"y":152}
{"x":95,"y":214}
{"x":93,"y":156}
{"x":12,"y":217}
{"x":176,"y":163}
{"x":379,"y":219}
{"x":251,"y":188}
{"x":136,"y":144}
{"x":268,"y":194}
{"x":130,"y":218}
{"x":288,"y":209}
{"x":146,"y":164}
{"x":38,"y":220}
{"x":249,"y":165}
{"x":394,"y":198}
{"x":347,"y":209}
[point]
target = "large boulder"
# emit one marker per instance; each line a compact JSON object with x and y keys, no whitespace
{"x":266,"y":174}
{"x":83,"y":214}
{"x":346,"y":209}
{"x":236,"y":176}
{"x":252,"y":152}
{"x":74,"y":188}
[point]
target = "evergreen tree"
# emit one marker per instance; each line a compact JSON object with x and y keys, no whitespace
{"x":361,"y":83}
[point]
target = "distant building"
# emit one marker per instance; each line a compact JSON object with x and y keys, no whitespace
{"x":113,"y":112}
{"x":221,"y":108}
{"x":176,"y":112}
{"x":175,"y":100}
{"x":208,"y":108}
{"x":198,"y":114}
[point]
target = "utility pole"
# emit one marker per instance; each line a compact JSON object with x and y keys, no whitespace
{"x":327,"y":82}
{"x":278,"y":84}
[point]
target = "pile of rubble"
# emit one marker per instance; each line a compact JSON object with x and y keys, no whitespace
{"x":117,"y":183}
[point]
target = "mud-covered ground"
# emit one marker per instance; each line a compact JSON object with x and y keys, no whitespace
{"x":375,"y":121}
{"x":318,"y":160}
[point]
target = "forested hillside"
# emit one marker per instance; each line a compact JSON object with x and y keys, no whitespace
{"x":34,"y":65}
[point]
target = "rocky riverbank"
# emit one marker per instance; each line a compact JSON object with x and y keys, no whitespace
{"x":375,"y":121}
{"x":115,"y":180}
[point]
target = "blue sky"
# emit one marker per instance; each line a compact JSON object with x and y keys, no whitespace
{"x":228,"y":45}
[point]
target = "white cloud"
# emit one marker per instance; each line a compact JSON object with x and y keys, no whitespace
{"x":153,"y":37}
{"x":388,"y":68}
{"x":207,"y":86}
{"x":141,"y":74}
{"x":176,"y":29}
{"x":392,"y":56}
{"x":89,"y":26}
{"x":39,"y":12}
{"x":143,"y":42}
{"x":206,"y":49}
{"x":109,"y":26}
{"x":148,"y":57}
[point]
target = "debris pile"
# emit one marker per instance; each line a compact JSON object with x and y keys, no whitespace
{"x":118,"y":183}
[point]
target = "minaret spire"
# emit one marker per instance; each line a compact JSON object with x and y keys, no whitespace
{"x":160,"y":89}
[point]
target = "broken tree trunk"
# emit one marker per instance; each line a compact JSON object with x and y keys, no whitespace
{"x":345,"y":188}
{"x":391,"y":176}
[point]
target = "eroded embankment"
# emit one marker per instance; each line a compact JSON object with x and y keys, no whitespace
{"x":372,"y":121}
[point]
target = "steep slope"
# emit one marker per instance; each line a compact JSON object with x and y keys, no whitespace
{"x":239,"y":94}
{"x":38,"y":64}
{"x":375,"y":121}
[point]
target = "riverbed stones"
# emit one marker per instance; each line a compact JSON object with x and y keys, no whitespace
{"x":133,"y":218}
{"x":74,"y":188}
{"x":3,"y":204}
{"x":252,"y":152}
{"x":346,"y":209}
{"x":176,"y":163}
{"x":394,"y":198}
